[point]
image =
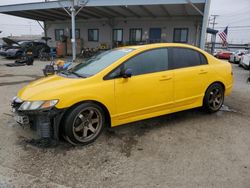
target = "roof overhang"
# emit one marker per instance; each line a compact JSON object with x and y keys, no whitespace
{"x":51,"y":11}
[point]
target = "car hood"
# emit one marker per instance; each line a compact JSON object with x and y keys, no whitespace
{"x":49,"y":88}
{"x":9,"y":41}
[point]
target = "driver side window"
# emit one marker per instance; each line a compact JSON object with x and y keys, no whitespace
{"x":155,"y":60}
{"x":151,"y":61}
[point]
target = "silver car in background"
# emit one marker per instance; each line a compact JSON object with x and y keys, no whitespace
{"x":245,"y":61}
{"x":236,"y":56}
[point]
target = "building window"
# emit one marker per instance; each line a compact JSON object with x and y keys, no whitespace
{"x":93,"y":35}
{"x":117,"y":35}
{"x":77,"y":33}
{"x":58,"y":34}
{"x":181,"y":35}
{"x":135,"y":35}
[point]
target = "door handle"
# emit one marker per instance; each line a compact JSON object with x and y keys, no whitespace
{"x":203,"y":71}
{"x":165,"y":78}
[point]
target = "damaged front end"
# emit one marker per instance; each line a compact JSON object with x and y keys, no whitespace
{"x":41,"y":116}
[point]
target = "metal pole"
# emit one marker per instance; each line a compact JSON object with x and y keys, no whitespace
{"x":213,"y":39}
{"x":204,"y":24}
{"x":73,"y":31}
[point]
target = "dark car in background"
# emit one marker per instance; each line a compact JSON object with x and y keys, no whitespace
{"x":14,"y":49}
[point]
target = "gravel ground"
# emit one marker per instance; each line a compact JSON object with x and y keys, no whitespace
{"x":186,"y":149}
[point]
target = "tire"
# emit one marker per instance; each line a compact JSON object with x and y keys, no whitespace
{"x":248,"y":80}
{"x":83,"y":124}
{"x":214,"y":98}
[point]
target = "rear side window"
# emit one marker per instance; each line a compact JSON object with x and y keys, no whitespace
{"x":185,"y":57}
{"x":148,"y":62}
{"x":203,"y":59}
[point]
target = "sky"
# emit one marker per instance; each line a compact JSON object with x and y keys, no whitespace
{"x":232,"y":13}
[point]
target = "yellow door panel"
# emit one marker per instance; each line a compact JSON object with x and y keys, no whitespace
{"x":143,"y":94}
{"x":190,"y":84}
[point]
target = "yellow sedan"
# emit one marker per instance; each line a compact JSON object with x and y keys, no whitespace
{"x":120,"y":86}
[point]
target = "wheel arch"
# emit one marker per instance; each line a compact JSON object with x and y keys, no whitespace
{"x":105,"y":109}
{"x":217,"y":82}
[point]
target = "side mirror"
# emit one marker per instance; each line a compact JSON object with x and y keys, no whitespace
{"x":127,"y":73}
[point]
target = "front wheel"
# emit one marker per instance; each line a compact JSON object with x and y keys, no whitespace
{"x":214,"y":98}
{"x":83,"y":124}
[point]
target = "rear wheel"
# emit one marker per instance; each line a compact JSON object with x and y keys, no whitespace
{"x":84,"y":124}
{"x":214,"y":98}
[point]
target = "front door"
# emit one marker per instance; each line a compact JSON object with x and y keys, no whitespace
{"x":154,"y":35}
{"x":149,"y":90}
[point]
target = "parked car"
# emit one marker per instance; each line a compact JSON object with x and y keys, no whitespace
{"x":223,"y":55}
{"x":236,"y":56}
{"x":216,"y":51}
{"x":16,"y":49}
{"x":123,"y":85}
{"x":3,"y":49}
{"x":245,"y":61}
{"x":10,"y":44}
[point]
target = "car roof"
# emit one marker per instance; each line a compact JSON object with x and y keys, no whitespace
{"x":155,"y":45}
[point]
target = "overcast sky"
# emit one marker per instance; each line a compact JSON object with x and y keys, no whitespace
{"x":231,"y":13}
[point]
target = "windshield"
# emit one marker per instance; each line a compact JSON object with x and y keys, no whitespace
{"x":99,"y":62}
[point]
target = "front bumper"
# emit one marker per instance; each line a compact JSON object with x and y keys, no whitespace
{"x":45,"y":122}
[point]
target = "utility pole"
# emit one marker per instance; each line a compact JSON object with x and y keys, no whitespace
{"x":213,"y":20}
{"x":30,"y":27}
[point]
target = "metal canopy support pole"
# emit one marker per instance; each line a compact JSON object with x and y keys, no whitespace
{"x":204,"y":24}
{"x":73,"y":31}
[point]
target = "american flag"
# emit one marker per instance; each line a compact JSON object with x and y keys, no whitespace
{"x":223,"y":36}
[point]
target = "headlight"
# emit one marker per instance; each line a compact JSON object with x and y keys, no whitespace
{"x":37,"y":105}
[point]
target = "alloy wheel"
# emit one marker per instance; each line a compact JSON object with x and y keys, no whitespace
{"x":87,"y":124}
{"x":215,"y":99}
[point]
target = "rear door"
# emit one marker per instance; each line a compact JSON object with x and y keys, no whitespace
{"x":190,"y":75}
